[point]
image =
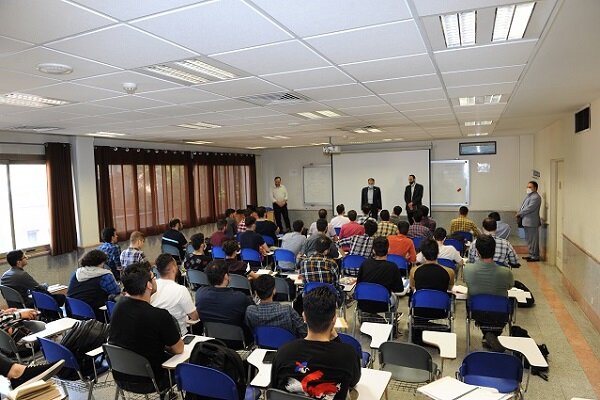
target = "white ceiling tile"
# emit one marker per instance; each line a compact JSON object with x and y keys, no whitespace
{"x":73,"y":92}
{"x":411,"y":97}
{"x":255,"y":112}
{"x":126,"y":10}
{"x":273,"y":58}
{"x":434,"y":7}
{"x":115,"y":82}
{"x":215,"y":27}
{"x":241,"y":87}
{"x":355,"y":102}
{"x":130,"y":102}
{"x":169,"y":111}
{"x":428,"y":118}
{"x":219,"y":105}
{"x":181,"y":95}
{"x":390,"y":40}
{"x":27,"y":61}
{"x":121,"y":46}
{"x":93,"y":123}
{"x":16,"y":82}
{"x":335,"y":92}
{"x":411,"y":83}
{"x":368,"y":110}
{"x":30,"y":116}
{"x":328,"y":76}
{"x":422,"y":105}
{"x":127,"y":116}
{"x":300,"y":107}
{"x":481,"y":90}
{"x":483,"y":76}
{"x":313,"y":17}
{"x":396,"y":67}
{"x":8,"y":45}
{"x":89,"y":109}
{"x":430,"y":111}
{"x":43,"y":21}
{"x":488,"y":56}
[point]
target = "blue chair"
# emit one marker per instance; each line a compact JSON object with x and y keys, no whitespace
{"x":457,"y":244}
{"x":490,"y":312}
{"x":250,"y":255}
{"x":400,"y":262}
{"x":110,"y":306}
{"x":209,"y":382}
{"x":467,"y":236}
{"x":196,"y":277}
{"x":171,"y":249}
{"x":268,"y":240}
{"x":501,"y":371}
{"x":427,"y":305}
{"x":283,"y":255}
{"x":79,"y":309}
{"x":447,"y":263}
{"x":45,"y":302}
{"x":308,"y":286}
{"x":376,"y":297}
{"x":337,"y":231}
{"x":189,"y":249}
{"x":365,"y":357}
{"x":417,"y":242}
{"x":272,"y":337}
{"x":217,"y":252}
{"x":351,"y":264}
{"x":55,"y":352}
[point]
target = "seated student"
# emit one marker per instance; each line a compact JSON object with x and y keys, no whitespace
{"x":197,"y":259}
{"x":309,"y":247}
{"x":320,"y":267}
{"x":92,"y":283}
{"x":316,"y":366}
{"x":220,"y":303}
{"x":252,"y":240}
{"x":293,"y":241}
{"x":379,"y":270}
{"x":264,"y":226}
{"x":351,"y":228}
{"x":18,"y":279}
{"x":385,"y":227}
{"x":242,"y":224}
{"x":418,"y":229}
{"x":361,"y":245}
{"x":219,"y":236}
{"x":401,"y":245}
{"x":366,"y":210}
{"x":19,"y":374}
{"x":395,"y":217}
{"x":272,"y":313}
{"x":504,"y":254}
{"x":502,"y":228}
{"x":463,"y":223}
{"x":313,"y":227}
{"x":170,"y":295}
{"x":339,"y":220}
{"x":428,"y":222}
{"x":174,"y":237}
{"x":112,"y":250}
{"x":133,"y":254}
{"x":444,"y":251}
{"x":431,"y":275}
{"x":231,"y":248}
{"x":146,"y":330}
{"x":231,"y":222}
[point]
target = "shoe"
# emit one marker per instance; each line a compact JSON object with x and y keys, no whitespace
{"x":533,"y":259}
{"x":34,"y":373}
{"x":526,"y":258}
{"x":492,"y":342}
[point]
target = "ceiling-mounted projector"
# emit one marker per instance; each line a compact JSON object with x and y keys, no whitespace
{"x":331,"y":149}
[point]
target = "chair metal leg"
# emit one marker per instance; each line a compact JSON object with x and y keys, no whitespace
{"x":91,"y":391}
{"x":117,"y":390}
{"x":468,"y":335}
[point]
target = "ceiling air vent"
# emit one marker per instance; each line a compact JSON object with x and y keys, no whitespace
{"x":271,"y":99}
{"x":37,"y":129}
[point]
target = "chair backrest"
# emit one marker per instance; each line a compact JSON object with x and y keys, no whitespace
{"x":308,"y":286}
{"x":205,"y":381}
{"x":12,"y":297}
{"x":417,"y":242}
{"x":197,"y":277}
{"x":447,"y":263}
{"x":217,"y":252}
{"x":500,"y":366}
{"x":170,"y":249}
{"x":489,"y":303}
{"x":272,"y":337}
{"x":7,"y":343}
{"x":500,"y":263}
{"x":189,"y":249}
{"x":228,"y":332}
{"x":276,"y":394}
{"x":282,"y":288}
{"x":110,"y":305}
{"x":55,"y":351}
{"x":268,"y":240}
{"x":404,"y":359}
{"x":467,"y":236}
{"x":428,"y":298}
{"x":372,"y":292}
{"x":79,"y":309}
{"x":351,"y":340}
{"x":337,"y":231}
{"x":127,"y":362}
{"x":240,"y":282}
{"x":400,"y":261}
{"x":352,"y":261}
{"x":250,"y":255}
{"x":457,"y":244}
{"x":284,"y":255}
{"x":44,"y":301}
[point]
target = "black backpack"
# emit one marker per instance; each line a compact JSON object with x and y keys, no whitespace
{"x":530,"y":301}
{"x":83,"y":337}
{"x":542,"y":372}
{"x":215,"y":354}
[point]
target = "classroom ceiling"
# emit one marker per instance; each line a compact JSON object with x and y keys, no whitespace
{"x":382,"y":65}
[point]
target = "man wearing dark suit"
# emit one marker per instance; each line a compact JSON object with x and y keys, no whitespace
{"x":529,"y":214}
{"x":371,"y":195}
{"x":413,"y":196}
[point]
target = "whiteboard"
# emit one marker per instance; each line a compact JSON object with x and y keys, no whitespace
{"x":450,"y":183}
{"x":316,"y":184}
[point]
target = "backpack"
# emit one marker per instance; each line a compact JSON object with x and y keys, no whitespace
{"x":530,"y":301}
{"x":83,"y":337}
{"x":215,"y":354}
{"x":542,"y":372}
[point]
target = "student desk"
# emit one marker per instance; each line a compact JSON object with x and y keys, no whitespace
{"x":379,"y":333}
{"x":445,"y":341}
{"x":52,"y":328}
{"x":528,"y":348}
{"x":184,"y":356}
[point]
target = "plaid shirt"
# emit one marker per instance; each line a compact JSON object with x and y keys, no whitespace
{"x":241,"y":226}
{"x":386,"y":228}
{"x":463,"y":224}
{"x":363,"y":218}
{"x":319,"y":268}
{"x":113,"y":252}
{"x":361,"y":245}
{"x":130,"y":256}
{"x":504,"y":253}
{"x":430,"y":223}
{"x":418,"y":230}
{"x":275,"y":314}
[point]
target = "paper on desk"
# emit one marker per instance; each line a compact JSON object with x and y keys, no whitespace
{"x":460,"y":289}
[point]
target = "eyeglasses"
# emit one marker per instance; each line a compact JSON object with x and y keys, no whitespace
{"x":154,"y":276}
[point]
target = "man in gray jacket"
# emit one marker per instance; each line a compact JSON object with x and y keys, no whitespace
{"x":529,"y":214}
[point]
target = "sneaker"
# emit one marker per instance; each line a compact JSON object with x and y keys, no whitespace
{"x":493,"y":343}
{"x":34,"y":373}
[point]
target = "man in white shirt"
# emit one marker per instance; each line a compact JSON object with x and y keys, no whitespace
{"x":279,"y":195}
{"x":340,"y":219}
{"x":170,"y":295}
{"x":447,"y":252}
{"x":312,"y":229}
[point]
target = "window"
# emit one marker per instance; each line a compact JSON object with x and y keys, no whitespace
{"x":232,"y":186}
{"x":23,"y":206}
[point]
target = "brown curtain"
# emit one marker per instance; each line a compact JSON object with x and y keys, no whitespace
{"x":63,"y":231}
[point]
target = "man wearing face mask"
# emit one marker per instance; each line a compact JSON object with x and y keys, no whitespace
{"x":529,"y":218}
{"x":371,"y":196}
{"x":413,"y":196}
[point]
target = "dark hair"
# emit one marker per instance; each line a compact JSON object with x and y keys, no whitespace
{"x":489,"y":224}
{"x":319,"y":309}
{"x":263,"y":286}
{"x":261,"y":211}
{"x":352,"y":215}
{"x":162,"y":262}
{"x":248,"y":212}
{"x":403,"y":227}
{"x":370,"y":227}
{"x":107,"y":234}
{"x":486,"y":246}
{"x":397,"y":210}
{"x":230,"y":247}
{"x":135,"y":277}
{"x":365,"y":208}
{"x":240,"y":211}
{"x":323,"y":243}
{"x":424,"y":210}
{"x":534,"y":184}
{"x":173,"y":223}
{"x":463,"y":210}
{"x":322,"y":213}
{"x":380,"y":246}
{"x":429,"y":248}
{"x":414,"y":177}
{"x":13,"y":256}
{"x":322,"y":225}
{"x":494,"y":215}
{"x":340,"y":209}
{"x":229,"y":211}
{"x":277,"y":177}
{"x":439,"y":234}
{"x":297,"y":225}
{"x":222,"y":223}
{"x":216,"y":271}
{"x":250,"y":221}
{"x":93,"y":258}
{"x":384,"y":215}
{"x":196,"y":240}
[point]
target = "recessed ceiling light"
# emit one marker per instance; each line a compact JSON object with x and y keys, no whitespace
{"x":54,"y":68}
{"x":293,"y":146}
{"x":310,"y":115}
{"x":478,"y":134}
{"x":206,"y":69}
{"x":360,"y":130}
{"x":511,"y":21}
{"x":459,"y":29}
{"x":276,"y":137}
{"x":476,"y":100}
{"x":30,"y":100}
{"x":387,"y":140}
{"x":319,"y":114}
{"x":329,"y":113}
{"x":106,"y":134}
{"x":256,"y":148}
{"x":199,"y":125}
{"x":319,"y":144}
{"x":198,"y":142}
{"x":478,"y":123}
{"x":174,"y":73}
{"x":374,"y":130}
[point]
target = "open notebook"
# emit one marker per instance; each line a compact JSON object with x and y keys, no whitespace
{"x":38,"y":390}
{"x":449,"y":388}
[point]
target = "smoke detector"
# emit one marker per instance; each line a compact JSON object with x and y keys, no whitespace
{"x":129,"y":87}
{"x":55,"y":68}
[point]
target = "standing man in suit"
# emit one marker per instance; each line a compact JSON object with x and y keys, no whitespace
{"x":413,"y":196}
{"x":529,"y":218}
{"x":371,"y":195}
{"x":279,"y":195}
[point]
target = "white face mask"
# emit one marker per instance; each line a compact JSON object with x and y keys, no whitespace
{"x":371,"y":186}
{"x":529,"y":191}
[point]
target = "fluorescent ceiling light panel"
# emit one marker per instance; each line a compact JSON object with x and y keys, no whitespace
{"x":174,"y":73}
{"x":30,"y":100}
{"x":511,"y":21}
{"x":205,"y":69}
{"x":199,"y":125}
{"x":477,"y":100}
{"x":199,"y":142}
{"x":478,"y":134}
{"x":478,"y":123}
{"x":276,"y":137}
{"x":310,"y":115}
{"x":256,"y":148}
{"x":328,"y":113}
{"x":467,"y":28}
{"x":466,"y":101}
{"x":374,"y":130}
{"x":459,"y":29}
{"x":319,"y":144}
{"x":106,"y":134}
{"x":360,"y":130}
